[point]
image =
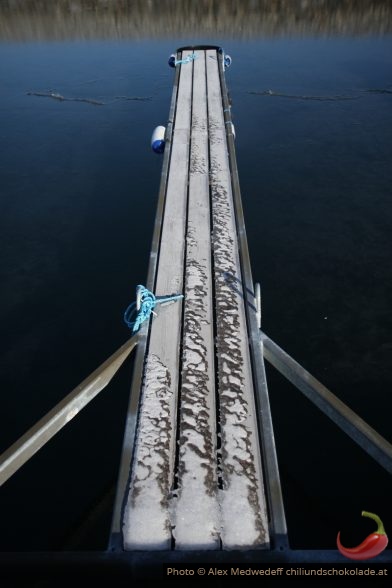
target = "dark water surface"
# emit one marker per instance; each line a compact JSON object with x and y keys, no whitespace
{"x":79,"y":185}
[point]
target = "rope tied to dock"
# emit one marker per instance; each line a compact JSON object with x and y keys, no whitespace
{"x":144,"y":306}
{"x":187,"y":59}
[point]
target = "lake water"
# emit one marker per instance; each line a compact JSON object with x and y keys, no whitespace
{"x":311,"y":90}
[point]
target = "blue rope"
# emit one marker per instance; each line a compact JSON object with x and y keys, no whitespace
{"x":186,"y":59}
{"x":147,"y":305}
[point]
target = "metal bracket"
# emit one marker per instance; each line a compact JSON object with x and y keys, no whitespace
{"x":258,"y":303}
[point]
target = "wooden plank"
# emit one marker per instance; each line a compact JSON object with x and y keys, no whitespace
{"x":196,"y":509}
{"x":146,"y":523}
{"x":242,"y":500}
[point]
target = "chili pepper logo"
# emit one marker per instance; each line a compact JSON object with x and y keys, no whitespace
{"x":373,"y":545}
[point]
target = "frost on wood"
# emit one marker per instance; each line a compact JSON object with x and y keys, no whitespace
{"x":198,"y":160}
{"x":146,"y":519}
{"x":244,"y":523}
{"x":196,"y":510}
{"x":199,"y":481}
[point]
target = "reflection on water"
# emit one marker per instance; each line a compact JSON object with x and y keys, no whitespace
{"x":22,"y":20}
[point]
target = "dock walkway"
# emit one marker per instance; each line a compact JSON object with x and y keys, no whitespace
{"x":199,"y":480}
{"x":196,"y":480}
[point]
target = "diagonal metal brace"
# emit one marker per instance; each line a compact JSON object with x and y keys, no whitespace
{"x":27,"y":445}
{"x":344,"y":417}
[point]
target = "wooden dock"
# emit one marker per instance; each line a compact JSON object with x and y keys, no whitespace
{"x":196,"y":478}
{"x":199,"y":480}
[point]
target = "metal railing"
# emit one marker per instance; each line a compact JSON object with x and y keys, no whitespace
{"x":345,"y":418}
{"x":36,"y":437}
{"x":351,"y":423}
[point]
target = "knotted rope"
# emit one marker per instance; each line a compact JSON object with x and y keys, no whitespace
{"x":186,"y":59}
{"x":144,"y":306}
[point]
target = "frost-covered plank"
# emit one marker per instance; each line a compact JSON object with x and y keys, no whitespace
{"x":147,"y":523}
{"x":196,"y":510}
{"x":242,"y":501}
